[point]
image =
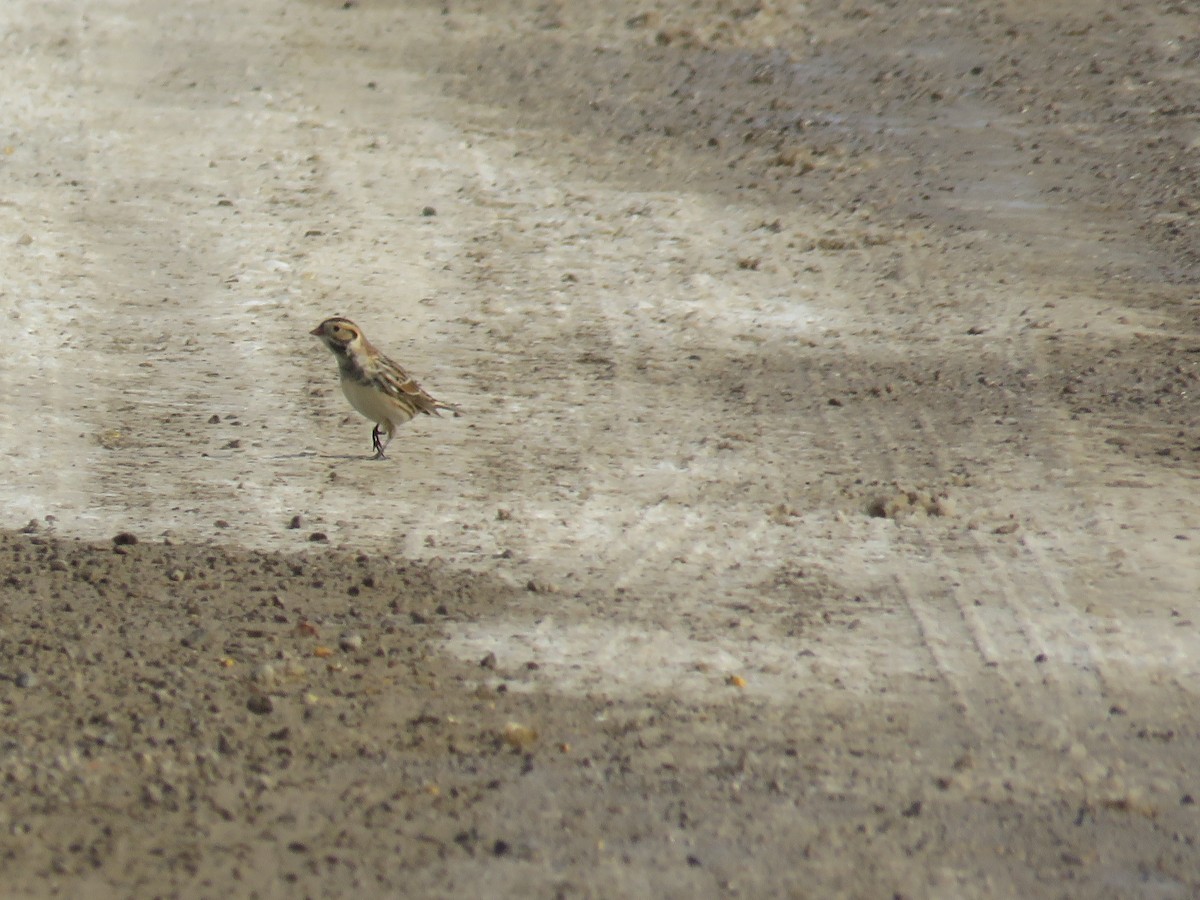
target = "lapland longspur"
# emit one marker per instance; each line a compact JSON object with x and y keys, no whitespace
{"x":376,"y":386}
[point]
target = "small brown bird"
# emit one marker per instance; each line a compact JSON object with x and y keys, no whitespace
{"x":376,"y":386}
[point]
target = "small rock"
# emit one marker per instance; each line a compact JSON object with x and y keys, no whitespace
{"x":518,"y":736}
{"x":266,"y":675}
{"x":297,"y":522}
{"x":428,"y":211}
{"x":197,"y":637}
{"x":124,"y":539}
{"x":293,"y":668}
{"x":25,"y":680}
{"x":488,"y":661}
{"x":318,"y":537}
{"x":943,"y":506}
{"x":260,"y":705}
{"x":646,"y":19}
{"x":112,"y":438}
{"x":350,"y":643}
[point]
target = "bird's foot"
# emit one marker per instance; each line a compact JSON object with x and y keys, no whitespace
{"x":376,"y":443}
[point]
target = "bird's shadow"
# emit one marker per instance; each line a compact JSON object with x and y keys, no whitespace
{"x":313,"y":454}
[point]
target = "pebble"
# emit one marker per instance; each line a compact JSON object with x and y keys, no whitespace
{"x":266,"y":675}
{"x":260,"y":705}
{"x":350,"y":643}
{"x":519,"y":736}
{"x":125,"y":539}
{"x":25,"y":680}
{"x":195,"y":638}
{"x":293,"y":668}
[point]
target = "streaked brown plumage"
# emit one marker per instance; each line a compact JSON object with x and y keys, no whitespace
{"x":376,"y":386}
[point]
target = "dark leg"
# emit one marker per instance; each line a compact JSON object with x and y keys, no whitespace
{"x":376,"y":443}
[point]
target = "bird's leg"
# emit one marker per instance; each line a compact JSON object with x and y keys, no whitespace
{"x":376,"y":443}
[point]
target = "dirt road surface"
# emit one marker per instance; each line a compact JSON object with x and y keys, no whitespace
{"x":822,"y":520}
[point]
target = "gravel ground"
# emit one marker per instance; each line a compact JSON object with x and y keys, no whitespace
{"x":820,"y":521}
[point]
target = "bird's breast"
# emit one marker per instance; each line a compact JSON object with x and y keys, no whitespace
{"x":372,"y":403}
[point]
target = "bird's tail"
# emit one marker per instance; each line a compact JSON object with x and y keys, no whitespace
{"x":430,"y":407}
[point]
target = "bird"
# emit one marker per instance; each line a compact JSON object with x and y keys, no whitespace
{"x":375,"y":385}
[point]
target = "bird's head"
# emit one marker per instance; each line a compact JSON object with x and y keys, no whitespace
{"x":338,"y":334}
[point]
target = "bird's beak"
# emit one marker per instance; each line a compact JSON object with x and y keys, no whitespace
{"x":316,"y":332}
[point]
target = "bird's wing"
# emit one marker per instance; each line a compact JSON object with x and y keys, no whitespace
{"x":404,"y":388}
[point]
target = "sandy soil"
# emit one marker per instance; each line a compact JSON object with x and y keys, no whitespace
{"x":822,"y":521}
